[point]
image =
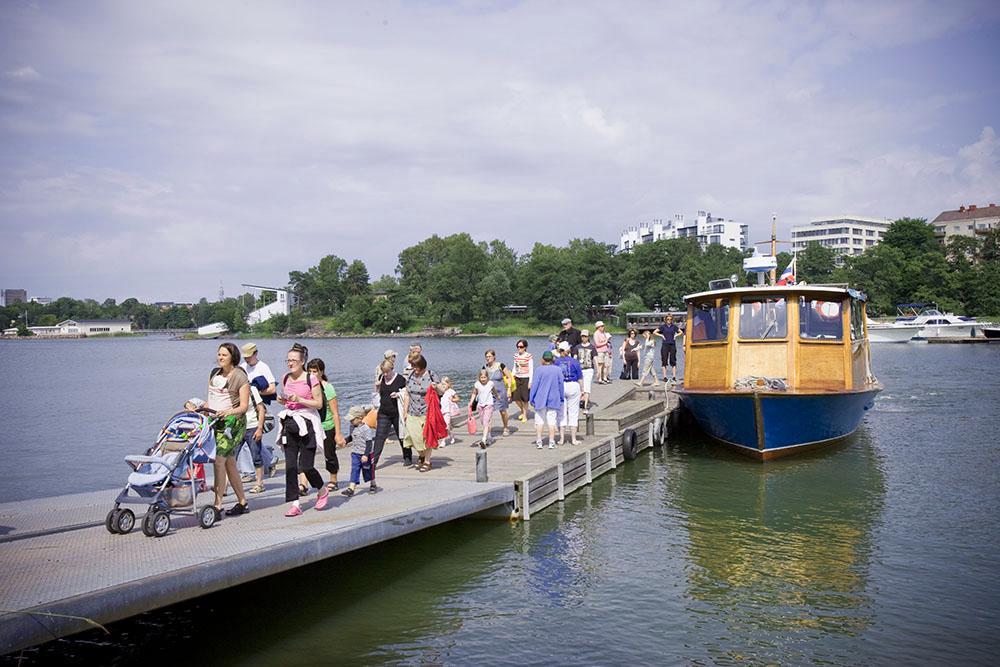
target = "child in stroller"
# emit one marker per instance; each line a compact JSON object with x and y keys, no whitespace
{"x":164,"y":477}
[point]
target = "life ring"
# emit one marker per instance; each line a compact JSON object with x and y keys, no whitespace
{"x":827,"y":310}
{"x":630,"y":445}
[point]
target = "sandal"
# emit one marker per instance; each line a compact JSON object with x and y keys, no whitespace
{"x":424,"y":467}
{"x":257,"y":488}
{"x":506,"y":431}
{"x":303,"y":490}
{"x":332,"y":486}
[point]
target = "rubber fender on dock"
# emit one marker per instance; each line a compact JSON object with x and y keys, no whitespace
{"x":659,"y":427}
{"x":630,"y":444}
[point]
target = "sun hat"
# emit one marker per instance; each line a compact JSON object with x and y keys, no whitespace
{"x":598,"y":324}
{"x":249,"y":349}
{"x":564,"y":345}
{"x":356,"y":412}
{"x":585,"y":332}
{"x":566,"y":320}
{"x":389,"y":353}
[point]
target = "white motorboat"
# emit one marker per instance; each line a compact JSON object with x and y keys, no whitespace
{"x":992,"y":332}
{"x":929,"y":324}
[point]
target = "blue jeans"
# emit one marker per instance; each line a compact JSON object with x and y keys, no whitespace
{"x":359,"y":469}
{"x":262,"y":456}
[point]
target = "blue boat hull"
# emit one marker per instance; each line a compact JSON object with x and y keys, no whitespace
{"x":769,"y":425}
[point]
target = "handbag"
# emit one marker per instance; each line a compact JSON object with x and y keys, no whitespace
{"x":471,"y":424}
{"x":268,"y":424}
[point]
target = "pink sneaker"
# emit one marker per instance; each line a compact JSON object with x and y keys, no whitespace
{"x":321,"y":500}
{"x":295,"y":510}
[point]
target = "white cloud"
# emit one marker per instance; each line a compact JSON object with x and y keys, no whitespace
{"x":158,"y":123}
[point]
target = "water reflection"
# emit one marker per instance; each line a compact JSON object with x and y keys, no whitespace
{"x":783,"y":546}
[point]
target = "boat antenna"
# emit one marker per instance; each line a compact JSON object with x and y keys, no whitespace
{"x":774,"y":245}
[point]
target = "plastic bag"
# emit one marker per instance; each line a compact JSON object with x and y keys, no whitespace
{"x":471,"y":424}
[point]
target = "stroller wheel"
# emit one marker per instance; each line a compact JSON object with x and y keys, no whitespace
{"x":159,"y":524}
{"x":207,"y":516}
{"x":147,"y":524}
{"x":111,"y":521}
{"x":125,"y":521}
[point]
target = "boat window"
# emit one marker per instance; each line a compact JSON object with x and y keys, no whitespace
{"x":763,"y":317}
{"x":710,"y":321}
{"x":819,"y":319}
{"x":857,"y":319}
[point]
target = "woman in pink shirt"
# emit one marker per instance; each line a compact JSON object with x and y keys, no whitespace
{"x":602,"y":345}
{"x":300,"y":429}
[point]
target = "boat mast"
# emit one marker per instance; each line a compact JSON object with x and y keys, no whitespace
{"x":774,"y":246}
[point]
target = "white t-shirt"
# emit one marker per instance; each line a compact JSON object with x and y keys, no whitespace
{"x":260,"y":369}
{"x":252,"y":410}
{"x":484,"y":393}
{"x":448,"y":406}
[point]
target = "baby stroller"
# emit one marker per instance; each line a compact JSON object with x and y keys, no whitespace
{"x":164,"y":477}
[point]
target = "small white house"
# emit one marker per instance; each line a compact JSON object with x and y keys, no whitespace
{"x":94,"y":327}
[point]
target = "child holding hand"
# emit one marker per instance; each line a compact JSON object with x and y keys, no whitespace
{"x":362,"y":440}
{"x":449,"y":408}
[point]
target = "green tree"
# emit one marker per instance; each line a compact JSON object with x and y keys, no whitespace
{"x":815,"y":264}
{"x":491,"y":295}
{"x":356,"y":279}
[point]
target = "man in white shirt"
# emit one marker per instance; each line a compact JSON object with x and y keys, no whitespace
{"x":254,"y":368}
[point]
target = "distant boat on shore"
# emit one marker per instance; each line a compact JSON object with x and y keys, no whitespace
{"x":927,"y":324}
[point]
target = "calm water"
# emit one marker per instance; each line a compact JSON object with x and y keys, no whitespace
{"x":883,"y":550}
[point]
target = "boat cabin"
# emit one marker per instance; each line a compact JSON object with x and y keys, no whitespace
{"x":777,"y":338}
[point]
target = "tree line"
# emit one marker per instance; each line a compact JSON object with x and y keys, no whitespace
{"x":454,"y":280}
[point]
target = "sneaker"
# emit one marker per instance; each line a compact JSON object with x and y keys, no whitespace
{"x":539,"y":445}
{"x":551,"y":446}
{"x":294,"y":510}
{"x":374,"y":488}
{"x":322,"y":498}
{"x":522,"y":418}
{"x":237,"y":510}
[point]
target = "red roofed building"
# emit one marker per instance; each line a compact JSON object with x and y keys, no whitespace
{"x":968,"y":220}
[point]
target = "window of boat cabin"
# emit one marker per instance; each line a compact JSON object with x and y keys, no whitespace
{"x":819,"y":319}
{"x":857,"y":319}
{"x":710,"y":321}
{"x":763,"y":317}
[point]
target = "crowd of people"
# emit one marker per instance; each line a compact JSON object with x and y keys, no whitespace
{"x":414,"y":406}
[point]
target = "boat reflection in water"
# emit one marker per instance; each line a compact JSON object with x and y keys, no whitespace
{"x":780,"y":554}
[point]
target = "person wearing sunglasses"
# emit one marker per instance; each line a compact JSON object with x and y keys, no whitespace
{"x":524,"y":369}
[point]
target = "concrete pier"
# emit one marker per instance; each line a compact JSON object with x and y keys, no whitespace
{"x":59,"y":562}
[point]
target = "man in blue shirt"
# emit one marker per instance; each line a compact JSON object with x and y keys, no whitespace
{"x":572,"y":374}
{"x":669,"y":332}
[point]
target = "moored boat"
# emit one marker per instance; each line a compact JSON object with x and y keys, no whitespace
{"x":773,"y":370}
{"x":992,"y":332}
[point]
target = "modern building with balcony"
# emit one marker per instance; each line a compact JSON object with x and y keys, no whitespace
{"x":845,"y":235}
{"x":968,"y":220}
{"x":708,"y":229}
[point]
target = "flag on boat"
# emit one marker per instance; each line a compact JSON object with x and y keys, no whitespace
{"x":788,"y":275}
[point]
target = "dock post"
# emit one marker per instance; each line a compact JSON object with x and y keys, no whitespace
{"x":590,"y":473}
{"x":562,"y":488}
{"x":525,"y":493}
{"x":614,"y":454}
{"x":589,"y":423}
{"x":481,"y":473}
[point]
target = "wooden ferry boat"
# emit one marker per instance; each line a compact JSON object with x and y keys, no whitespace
{"x":773,"y":370}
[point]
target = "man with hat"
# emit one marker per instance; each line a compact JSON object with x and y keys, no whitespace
{"x":255,"y":368}
{"x":569,"y":334}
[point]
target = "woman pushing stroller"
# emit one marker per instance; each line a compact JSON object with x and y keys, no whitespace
{"x":228,"y":398}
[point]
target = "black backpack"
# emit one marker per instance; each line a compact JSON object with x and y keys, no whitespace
{"x":322,"y":408}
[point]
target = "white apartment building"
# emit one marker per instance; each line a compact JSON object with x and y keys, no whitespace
{"x":845,"y":235}
{"x":968,"y":220}
{"x":706,"y":228}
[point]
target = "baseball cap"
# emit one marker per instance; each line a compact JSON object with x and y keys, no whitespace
{"x":564,"y":345}
{"x":566,"y":320}
{"x":356,"y":412}
{"x":389,"y":353}
{"x":249,"y":349}
{"x":547,"y":355}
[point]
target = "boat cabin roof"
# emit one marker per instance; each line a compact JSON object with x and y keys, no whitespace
{"x":768,"y":290}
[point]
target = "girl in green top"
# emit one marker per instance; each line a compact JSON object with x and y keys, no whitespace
{"x":331,"y":421}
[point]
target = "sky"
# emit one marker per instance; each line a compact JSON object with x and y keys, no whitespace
{"x":159,"y":150}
